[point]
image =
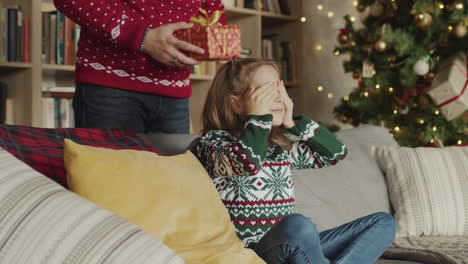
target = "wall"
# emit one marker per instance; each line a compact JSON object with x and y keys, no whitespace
{"x":321,"y":67}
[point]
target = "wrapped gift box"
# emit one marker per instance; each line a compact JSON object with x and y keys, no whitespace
{"x":449,"y":87}
{"x":219,"y":42}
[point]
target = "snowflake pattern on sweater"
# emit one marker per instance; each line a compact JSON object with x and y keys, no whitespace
{"x":254,"y":179}
{"x":110,"y":39}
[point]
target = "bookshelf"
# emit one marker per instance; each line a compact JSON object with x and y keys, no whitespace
{"x":24,"y":79}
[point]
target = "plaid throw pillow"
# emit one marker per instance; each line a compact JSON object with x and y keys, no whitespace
{"x":42,"y":148}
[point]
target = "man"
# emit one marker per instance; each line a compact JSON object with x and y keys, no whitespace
{"x":130,"y":71}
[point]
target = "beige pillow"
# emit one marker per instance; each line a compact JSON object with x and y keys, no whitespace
{"x":428,"y":188}
{"x":171,"y":198}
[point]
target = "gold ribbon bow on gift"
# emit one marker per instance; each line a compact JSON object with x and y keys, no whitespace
{"x":206,"y":19}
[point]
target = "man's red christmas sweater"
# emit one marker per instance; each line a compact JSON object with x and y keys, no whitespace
{"x":111,"y":35}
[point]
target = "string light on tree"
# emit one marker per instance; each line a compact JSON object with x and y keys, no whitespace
{"x":397,"y":129}
{"x":436,"y":112}
{"x":380,"y":45}
{"x":353,"y":19}
{"x":330,"y":95}
{"x":336,"y":53}
{"x":434,"y":128}
{"x":318,"y":47}
{"x":355,"y":3}
{"x":346,"y":98}
{"x":459,"y":5}
{"x":303,"y":19}
{"x":320,"y":88}
{"x":330,"y":14}
{"x":459,"y":142}
{"x":320,"y":7}
{"x":390,"y":89}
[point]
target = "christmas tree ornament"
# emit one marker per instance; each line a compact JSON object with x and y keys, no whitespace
{"x":367,"y":69}
{"x":356,"y":75}
{"x":380,"y":45}
{"x":448,"y":89}
{"x":421,"y":67}
{"x":344,"y":37}
{"x":405,"y":110}
{"x":423,"y":20}
{"x":376,"y":9}
{"x":460,"y":30}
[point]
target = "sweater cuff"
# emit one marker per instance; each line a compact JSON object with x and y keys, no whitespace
{"x":260,"y":121}
{"x":130,"y":34}
{"x":303,"y":130}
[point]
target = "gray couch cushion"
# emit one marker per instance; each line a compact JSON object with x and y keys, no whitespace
{"x":353,"y":188}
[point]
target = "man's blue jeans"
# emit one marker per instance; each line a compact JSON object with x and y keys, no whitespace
{"x":104,"y":107}
{"x":295,"y":240}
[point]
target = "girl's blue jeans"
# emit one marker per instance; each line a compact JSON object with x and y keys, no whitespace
{"x":295,"y":240}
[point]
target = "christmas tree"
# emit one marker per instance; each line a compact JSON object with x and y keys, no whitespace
{"x":406,"y":57}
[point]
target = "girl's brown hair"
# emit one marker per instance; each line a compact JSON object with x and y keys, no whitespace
{"x":234,"y":78}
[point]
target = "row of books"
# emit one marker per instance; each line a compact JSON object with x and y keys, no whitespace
{"x":284,"y":53}
{"x":59,"y":39}
{"x":57,"y":112}
{"x":205,"y":68}
{"x":275,"y":6}
{"x":15,"y":34}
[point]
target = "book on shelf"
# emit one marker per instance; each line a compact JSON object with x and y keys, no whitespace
{"x":15,"y":32}
{"x":3,"y":98}
{"x":249,"y":4}
{"x":275,"y":6}
{"x":57,"y":112}
{"x":283,"y":53}
{"x":59,"y":39}
{"x":205,"y":68}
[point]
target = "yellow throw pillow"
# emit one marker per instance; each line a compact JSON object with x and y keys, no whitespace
{"x":171,"y":198}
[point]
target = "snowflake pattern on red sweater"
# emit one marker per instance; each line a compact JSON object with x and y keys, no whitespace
{"x":111,"y":35}
{"x":254,"y":179}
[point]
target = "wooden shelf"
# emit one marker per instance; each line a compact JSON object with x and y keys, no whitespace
{"x":194,"y":77}
{"x":58,"y":67}
{"x":275,"y":16}
{"x":15,"y":65}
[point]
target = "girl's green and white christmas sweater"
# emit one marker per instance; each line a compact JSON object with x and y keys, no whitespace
{"x":254,"y":179}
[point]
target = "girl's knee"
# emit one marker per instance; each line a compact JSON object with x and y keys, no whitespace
{"x":298,"y":226}
{"x":387,"y":224}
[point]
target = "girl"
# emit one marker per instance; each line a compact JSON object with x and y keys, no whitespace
{"x":249,"y":145}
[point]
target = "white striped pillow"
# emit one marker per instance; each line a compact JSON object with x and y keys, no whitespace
{"x":41,"y":222}
{"x":428,"y":188}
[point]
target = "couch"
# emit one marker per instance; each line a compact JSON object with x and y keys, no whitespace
{"x":331,"y":196}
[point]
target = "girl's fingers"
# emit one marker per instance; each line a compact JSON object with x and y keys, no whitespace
{"x":262,"y":89}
